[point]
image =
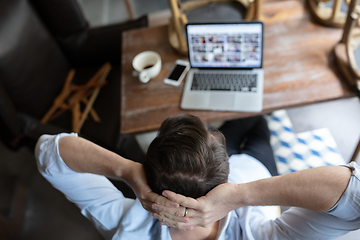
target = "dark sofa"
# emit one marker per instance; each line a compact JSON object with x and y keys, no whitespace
{"x":40,"y":41}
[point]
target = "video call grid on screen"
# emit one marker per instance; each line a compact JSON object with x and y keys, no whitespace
{"x":225,"y":45}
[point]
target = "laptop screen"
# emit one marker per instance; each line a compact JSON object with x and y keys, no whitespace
{"x":235,"y":45}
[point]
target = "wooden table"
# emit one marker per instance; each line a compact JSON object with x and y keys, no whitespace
{"x":298,"y":64}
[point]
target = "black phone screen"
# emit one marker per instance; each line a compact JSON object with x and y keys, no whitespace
{"x":176,"y":73}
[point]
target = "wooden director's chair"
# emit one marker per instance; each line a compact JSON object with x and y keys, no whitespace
{"x":72,"y":96}
{"x":180,"y":10}
{"x":326,"y":15}
{"x":345,"y":53}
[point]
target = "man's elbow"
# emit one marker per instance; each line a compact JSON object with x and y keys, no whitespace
{"x":40,"y":152}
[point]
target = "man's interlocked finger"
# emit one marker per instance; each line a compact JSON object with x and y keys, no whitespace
{"x":163,"y":201}
{"x":176,"y":212}
{"x":182,"y":200}
{"x":170,"y":213}
{"x":180,"y":212}
{"x":171,"y":223}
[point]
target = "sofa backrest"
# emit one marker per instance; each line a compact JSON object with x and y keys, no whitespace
{"x":32,"y":66}
{"x":62,"y":17}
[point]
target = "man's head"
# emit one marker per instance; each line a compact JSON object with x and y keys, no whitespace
{"x":186,"y":158}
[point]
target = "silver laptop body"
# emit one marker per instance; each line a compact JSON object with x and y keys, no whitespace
{"x":226,"y":67}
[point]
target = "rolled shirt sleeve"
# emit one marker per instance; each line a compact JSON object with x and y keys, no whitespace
{"x":299,"y":223}
{"x":98,"y":199}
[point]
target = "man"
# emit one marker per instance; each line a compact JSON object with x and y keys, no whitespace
{"x":71,"y":164}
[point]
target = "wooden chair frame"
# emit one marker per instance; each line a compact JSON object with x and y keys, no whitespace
{"x":179,"y":19}
{"x":344,"y":54}
{"x":71,"y":97}
{"x":352,"y":42}
{"x":353,"y":37}
{"x":331,"y":17}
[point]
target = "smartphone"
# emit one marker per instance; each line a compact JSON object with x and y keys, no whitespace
{"x":177,"y":72}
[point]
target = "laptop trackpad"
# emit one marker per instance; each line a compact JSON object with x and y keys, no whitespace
{"x":222,"y":101}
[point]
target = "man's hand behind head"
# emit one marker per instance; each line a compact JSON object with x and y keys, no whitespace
{"x":135,"y":177}
{"x":200,"y":212}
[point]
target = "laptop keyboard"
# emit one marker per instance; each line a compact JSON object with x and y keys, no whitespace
{"x":224,"y":82}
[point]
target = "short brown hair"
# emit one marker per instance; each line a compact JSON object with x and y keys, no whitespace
{"x":185,"y":158}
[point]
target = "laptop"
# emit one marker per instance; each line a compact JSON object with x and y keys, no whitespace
{"x":225,"y":67}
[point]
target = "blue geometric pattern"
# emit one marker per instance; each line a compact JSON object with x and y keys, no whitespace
{"x":294,"y":152}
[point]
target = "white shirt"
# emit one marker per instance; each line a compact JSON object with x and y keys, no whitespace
{"x":117,"y":217}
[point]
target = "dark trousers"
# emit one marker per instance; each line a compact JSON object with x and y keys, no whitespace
{"x":252,"y":137}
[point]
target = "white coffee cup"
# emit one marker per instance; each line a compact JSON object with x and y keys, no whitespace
{"x":147,"y":65}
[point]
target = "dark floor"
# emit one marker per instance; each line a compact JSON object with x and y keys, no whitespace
{"x":48,"y":214}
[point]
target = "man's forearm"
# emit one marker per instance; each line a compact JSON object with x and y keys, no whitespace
{"x":84,"y":156}
{"x":316,"y":189}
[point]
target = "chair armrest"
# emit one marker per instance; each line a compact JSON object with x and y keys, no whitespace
{"x":33,"y":129}
{"x":100,"y":44}
{"x":16,"y":128}
{"x":81,"y":44}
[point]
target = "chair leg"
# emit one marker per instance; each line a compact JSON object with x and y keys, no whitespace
{"x":130,"y":9}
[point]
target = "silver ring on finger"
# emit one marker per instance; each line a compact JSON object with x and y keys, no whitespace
{"x":186,"y":211}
